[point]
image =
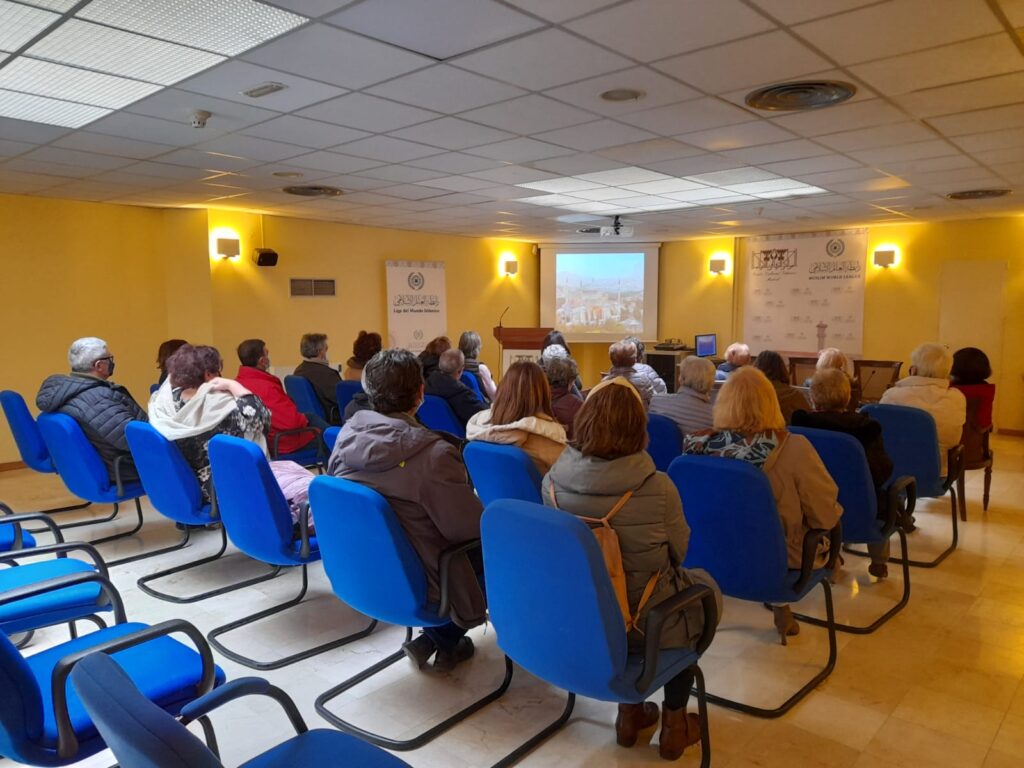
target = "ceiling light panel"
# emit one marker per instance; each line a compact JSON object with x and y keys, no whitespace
{"x":44,"y":78}
{"x":229,"y":27}
{"x":61,"y":6}
{"x":39,"y":109}
{"x":560,"y":185}
{"x":83,"y":44}
{"x":19,"y":24}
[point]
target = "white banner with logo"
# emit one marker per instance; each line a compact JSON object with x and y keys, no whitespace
{"x":805,"y":292}
{"x":417,"y":311}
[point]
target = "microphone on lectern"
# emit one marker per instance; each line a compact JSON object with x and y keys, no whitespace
{"x":503,"y":314}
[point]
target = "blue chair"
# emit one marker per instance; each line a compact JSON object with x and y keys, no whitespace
{"x":912,"y":441}
{"x":258,"y":522}
{"x":373,"y":568}
{"x":153,"y":388}
{"x":574,"y":638}
{"x":331,"y":437}
{"x":664,"y":442}
{"x":32,"y":448}
{"x":301,"y":391}
{"x":844,"y":459}
{"x":344,"y":393}
{"x":174,"y":492}
{"x":470,"y":381}
{"x":142,"y":735}
{"x":501,"y":472}
{"x":310,"y":455}
{"x":42,"y":720}
{"x":435,"y":413}
{"x":736,"y":535}
{"x":15,"y":537}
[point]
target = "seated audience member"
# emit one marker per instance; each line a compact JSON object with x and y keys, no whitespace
{"x":101,"y":407}
{"x":425,"y":481}
{"x":623,"y":358}
{"x":969,"y":373}
{"x":641,"y":367}
{"x":927,"y":387}
{"x":607,"y":470}
{"x":690,"y":406}
{"x":833,"y":358}
{"x":167,"y":349}
{"x":553,"y":351}
{"x":431,"y":354}
{"x":736,"y":356}
{"x":470,"y":345}
{"x":364,"y":347}
{"x":316,"y":369}
{"x":749,"y":427}
{"x":521,"y":415}
{"x":254,"y":375}
{"x":565,"y":398}
{"x":555,"y":338}
{"x":830,"y":398}
{"x":444,"y":382}
{"x":791,"y":399}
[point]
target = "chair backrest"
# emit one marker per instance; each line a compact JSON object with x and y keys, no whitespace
{"x":170,"y":483}
{"x":331,"y":437}
{"x":502,"y":472}
{"x":153,"y":388}
{"x":301,"y":391}
{"x":973,"y":438}
{"x":26,"y":432}
{"x":138,"y":732}
{"x":573,"y":636}
{"x":366,"y":554}
{"x":249,"y":500}
{"x":664,"y":441}
{"x":875,"y":376}
{"x":76,"y":460}
{"x":844,"y":458}
{"x":735,"y":531}
{"x":470,"y":381}
{"x":912,"y":441}
{"x":344,"y":392}
{"x":435,"y":413}
{"x":21,"y":708}
{"x":801,"y":369}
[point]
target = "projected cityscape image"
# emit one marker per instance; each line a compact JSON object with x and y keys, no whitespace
{"x":600,"y":292}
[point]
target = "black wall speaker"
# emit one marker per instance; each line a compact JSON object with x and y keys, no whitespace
{"x":265,"y":257}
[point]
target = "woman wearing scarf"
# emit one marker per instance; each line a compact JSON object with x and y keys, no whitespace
{"x":748,"y":426}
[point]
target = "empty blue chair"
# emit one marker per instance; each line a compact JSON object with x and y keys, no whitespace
{"x":13,"y":536}
{"x":664,"y":442}
{"x":502,"y":472}
{"x":301,"y":391}
{"x":373,"y":568}
{"x":344,"y":393}
{"x":142,"y":735}
{"x":331,"y":437}
{"x":174,"y":492}
{"x":736,"y":535}
{"x":845,"y":461}
{"x":470,"y":381}
{"x":258,"y":522}
{"x":573,"y":636}
{"x":912,"y":441}
{"x":435,"y":413}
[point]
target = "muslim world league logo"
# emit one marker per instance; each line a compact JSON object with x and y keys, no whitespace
{"x":416,"y":280}
{"x":835,"y":248}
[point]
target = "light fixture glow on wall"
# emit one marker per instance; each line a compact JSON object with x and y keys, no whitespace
{"x":509,"y":264}
{"x":886,"y":256}
{"x":719,"y":262}
{"x":225,"y":244}
{"x":228,"y":247}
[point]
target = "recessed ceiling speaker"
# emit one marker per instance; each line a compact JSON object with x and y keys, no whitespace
{"x":978,"y":194}
{"x":265,"y":257}
{"x":800,"y":95}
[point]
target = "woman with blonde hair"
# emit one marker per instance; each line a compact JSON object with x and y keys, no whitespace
{"x":748,"y":426}
{"x":521,"y":415}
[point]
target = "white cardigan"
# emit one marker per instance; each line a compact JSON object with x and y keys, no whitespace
{"x":947,"y":406}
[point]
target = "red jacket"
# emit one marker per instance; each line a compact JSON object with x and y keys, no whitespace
{"x":283,"y":412}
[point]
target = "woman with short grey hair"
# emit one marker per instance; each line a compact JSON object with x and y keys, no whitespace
{"x":690,"y":406}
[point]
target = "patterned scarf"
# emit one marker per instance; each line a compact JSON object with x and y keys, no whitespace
{"x":753,"y":449}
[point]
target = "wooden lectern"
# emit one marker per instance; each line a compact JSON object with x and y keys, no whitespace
{"x":526,"y":340}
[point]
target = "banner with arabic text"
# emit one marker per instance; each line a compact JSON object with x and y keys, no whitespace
{"x":416,"y":303}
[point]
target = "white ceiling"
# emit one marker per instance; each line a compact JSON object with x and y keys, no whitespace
{"x":483,"y":117}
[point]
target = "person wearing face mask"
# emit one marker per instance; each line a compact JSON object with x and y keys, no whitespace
{"x":423,"y":478}
{"x":254,"y":374}
{"x":101,"y":407}
{"x":318,"y":371}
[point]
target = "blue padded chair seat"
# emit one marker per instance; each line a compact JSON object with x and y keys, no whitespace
{"x":165,"y":670}
{"x":314,"y":550}
{"x":7,"y":538}
{"x":53,"y":607}
{"x":321,"y":747}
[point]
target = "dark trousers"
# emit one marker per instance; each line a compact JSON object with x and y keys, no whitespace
{"x":446,"y":636}
{"x":677,"y":690}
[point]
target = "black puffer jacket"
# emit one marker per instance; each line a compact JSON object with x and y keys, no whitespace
{"x":101,"y":408}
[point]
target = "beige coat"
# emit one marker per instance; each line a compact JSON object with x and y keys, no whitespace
{"x":947,"y":405}
{"x":540,"y":436}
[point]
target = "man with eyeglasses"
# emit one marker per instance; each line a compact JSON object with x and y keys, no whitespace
{"x":101,"y":407}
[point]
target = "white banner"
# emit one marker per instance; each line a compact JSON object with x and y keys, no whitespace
{"x":417,"y":311}
{"x":805,"y":292}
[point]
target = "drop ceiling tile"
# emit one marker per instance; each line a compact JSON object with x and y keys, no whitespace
{"x":977,"y":94}
{"x":311,"y":8}
{"x":446,"y":89}
{"x":410,"y":191}
{"x":332,"y":161}
{"x":794,"y":11}
{"x":957,"y":63}
{"x":560,"y":10}
{"x":831,"y":178}
{"x":907,"y":152}
{"x":694,"y":115}
{"x":352,"y":183}
{"x":456,"y":199}
{"x":12,"y":182}
{"x":1001,"y":156}
{"x":658,"y":91}
{"x":542,"y":60}
{"x":512,"y":174}
{"x":896,"y":27}
{"x":996,"y":118}
{"x":195,"y":158}
{"x":602,"y":194}
{"x":23,"y":164}
{"x":455,"y":162}
{"x":596,"y":135}
{"x":880,"y":136}
{"x":387,"y":149}
{"x":991,"y":140}
{"x":337,"y":57}
{"x":32,"y":133}
{"x":797,"y":168}
{"x":74,"y":157}
{"x":110,"y":145}
{"x":178,"y":106}
{"x":651,"y":151}
{"x":228,"y":80}
{"x":401,"y":173}
{"x":139,"y":127}
{"x":456,"y":183}
{"x":20,"y":23}
{"x":860,"y":114}
{"x":452,"y":133}
{"x":252,"y":148}
{"x":521,"y":150}
{"x":908,"y":168}
{"x":368,"y":113}
{"x":736,"y":136}
{"x":529,"y":114}
{"x":307,"y":133}
{"x":653,"y":29}
{"x":170,"y":173}
{"x":263,"y":176}
{"x":688,"y":166}
{"x":773,"y":153}
{"x":12,"y":148}
{"x":436,"y":28}
{"x":572,"y":165}
{"x":622,"y":176}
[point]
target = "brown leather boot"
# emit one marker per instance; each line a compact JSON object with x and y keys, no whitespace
{"x":678,"y":731}
{"x":635,"y":720}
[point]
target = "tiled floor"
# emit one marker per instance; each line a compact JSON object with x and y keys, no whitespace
{"x":940,"y":685}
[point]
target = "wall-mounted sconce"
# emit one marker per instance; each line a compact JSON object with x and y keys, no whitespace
{"x":885,"y":256}
{"x":509,"y":267}
{"x":717,"y":266}
{"x":228,"y":247}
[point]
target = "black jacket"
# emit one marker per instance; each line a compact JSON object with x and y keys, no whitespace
{"x":325,"y":381}
{"x":101,"y":408}
{"x":865,"y":429}
{"x":462,"y":399}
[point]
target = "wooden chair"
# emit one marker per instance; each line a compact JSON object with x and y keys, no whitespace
{"x":875,"y":376}
{"x":977,"y":454}
{"x":801,"y":369}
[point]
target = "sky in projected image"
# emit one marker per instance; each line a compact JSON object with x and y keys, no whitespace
{"x":600,"y":292}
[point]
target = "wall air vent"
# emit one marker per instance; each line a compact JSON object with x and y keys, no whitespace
{"x":306,"y":286}
{"x":313,"y":190}
{"x":800,"y":95}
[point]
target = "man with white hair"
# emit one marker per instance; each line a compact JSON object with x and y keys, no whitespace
{"x":927,"y":387}
{"x":101,"y":407}
{"x":737,"y":355}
